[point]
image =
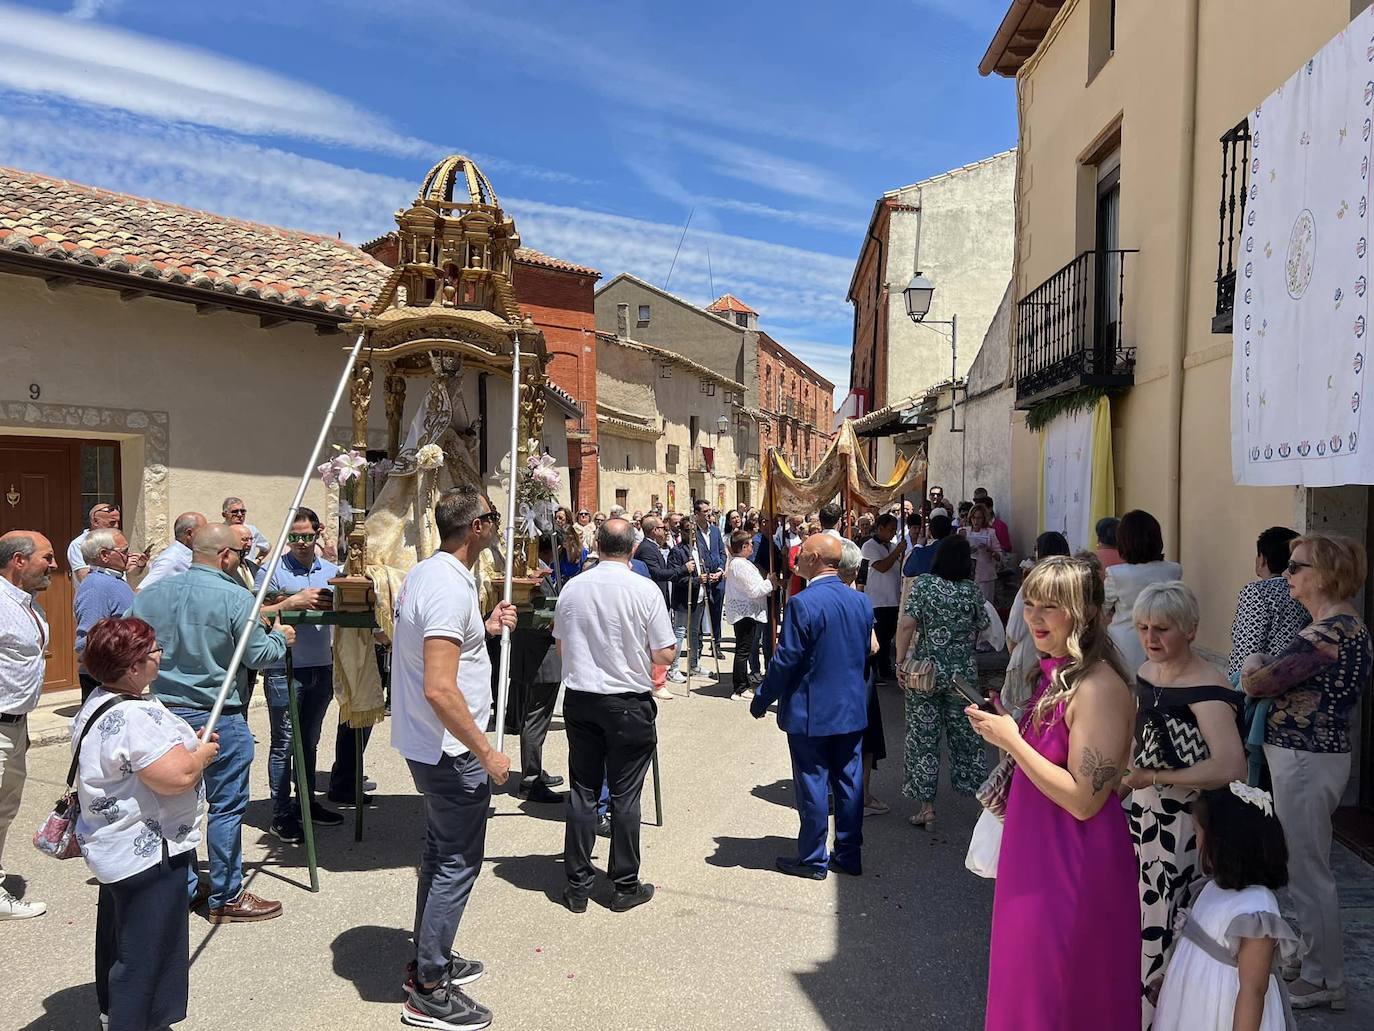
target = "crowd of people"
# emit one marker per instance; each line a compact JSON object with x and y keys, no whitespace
{"x":1149,"y":800}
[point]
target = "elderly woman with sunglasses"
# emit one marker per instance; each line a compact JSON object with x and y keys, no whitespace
{"x":138,"y":778}
{"x":1315,"y":683}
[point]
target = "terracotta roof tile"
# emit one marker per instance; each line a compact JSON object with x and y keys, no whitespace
{"x":729,"y":302}
{"x":55,"y":218}
{"x":530,"y":256}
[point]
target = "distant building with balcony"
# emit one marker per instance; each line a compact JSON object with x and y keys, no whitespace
{"x":957,"y":229}
{"x":666,"y":428}
{"x":778,"y":401}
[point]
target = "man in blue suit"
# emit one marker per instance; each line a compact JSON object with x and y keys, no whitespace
{"x":709,"y":547}
{"x":817,"y":679}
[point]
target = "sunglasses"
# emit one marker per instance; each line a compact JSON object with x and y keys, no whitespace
{"x":1293,"y":567}
{"x":300,"y":538}
{"x":492,"y":517}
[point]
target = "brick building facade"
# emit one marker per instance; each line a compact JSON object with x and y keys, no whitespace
{"x":797,"y":403}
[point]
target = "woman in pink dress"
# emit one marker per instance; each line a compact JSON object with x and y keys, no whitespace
{"x":1065,"y":952}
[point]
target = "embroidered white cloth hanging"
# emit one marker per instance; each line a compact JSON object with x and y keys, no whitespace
{"x":1302,"y":276}
{"x":1066,"y":468}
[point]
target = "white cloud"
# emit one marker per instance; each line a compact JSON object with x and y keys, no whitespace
{"x":86,"y":9}
{"x":246,"y":180}
{"x":771,"y":171}
{"x":111,"y":68}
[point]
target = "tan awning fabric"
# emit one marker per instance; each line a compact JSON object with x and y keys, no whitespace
{"x":843,"y":470}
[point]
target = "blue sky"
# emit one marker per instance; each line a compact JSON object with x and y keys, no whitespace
{"x":601,"y":125}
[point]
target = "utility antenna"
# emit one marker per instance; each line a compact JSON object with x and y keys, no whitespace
{"x":679,"y":248}
{"x":709,"y":274}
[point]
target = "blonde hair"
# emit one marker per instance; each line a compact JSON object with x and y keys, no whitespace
{"x":1338,"y":562}
{"x":1072,"y":585}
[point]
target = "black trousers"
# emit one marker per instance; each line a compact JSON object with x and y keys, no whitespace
{"x":343,"y":775}
{"x":534,"y":728}
{"x":142,"y":947}
{"x":746,"y":634}
{"x":885,"y":626}
{"x":610,"y":737}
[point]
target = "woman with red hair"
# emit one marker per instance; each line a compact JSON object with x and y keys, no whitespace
{"x":138,"y":777}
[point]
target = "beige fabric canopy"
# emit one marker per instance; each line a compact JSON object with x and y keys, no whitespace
{"x":843,"y":472}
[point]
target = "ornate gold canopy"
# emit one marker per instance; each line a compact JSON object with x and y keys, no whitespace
{"x":448,"y":307}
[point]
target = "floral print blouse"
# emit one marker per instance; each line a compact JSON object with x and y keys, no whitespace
{"x":949,"y":616}
{"x":1315,"y":683}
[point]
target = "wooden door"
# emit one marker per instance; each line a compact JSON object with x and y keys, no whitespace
{"x":37,"y":485}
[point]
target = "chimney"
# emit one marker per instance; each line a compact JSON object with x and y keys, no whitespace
{"x":622,"y":321}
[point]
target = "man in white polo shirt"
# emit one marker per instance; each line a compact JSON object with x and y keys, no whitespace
{"x":612,"y":628}
{"x":440,"y":704}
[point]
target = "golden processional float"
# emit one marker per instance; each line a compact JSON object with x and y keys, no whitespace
{"x":447,"y":316}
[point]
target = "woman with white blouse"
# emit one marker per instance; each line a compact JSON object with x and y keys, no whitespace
{"x":987,"y":551}
{"x":142,"y":801}
{"x":746,"y":605}
{"x":1140,"y":541}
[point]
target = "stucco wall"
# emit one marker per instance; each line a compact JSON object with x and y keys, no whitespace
{"x":964,"y":227}
{"x":1246,"y":48}
{"x":242,"y":404}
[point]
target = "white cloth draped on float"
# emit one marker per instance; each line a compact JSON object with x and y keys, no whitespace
{"x":1077,"y":481}
{"x":1301,"y":315}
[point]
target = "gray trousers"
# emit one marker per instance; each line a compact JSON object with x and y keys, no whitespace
{"x":456,"y":792}
{"x":1307,"y":789}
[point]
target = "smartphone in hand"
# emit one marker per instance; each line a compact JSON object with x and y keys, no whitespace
{"x":972,"y":694}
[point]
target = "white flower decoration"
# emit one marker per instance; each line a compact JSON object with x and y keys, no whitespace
{"x":431,"y":456}
{"x":1256,"y":797}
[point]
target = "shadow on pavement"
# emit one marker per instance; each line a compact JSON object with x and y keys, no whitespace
{"x":751,"y":853}
{"x":73,"y":1007}
{"x":355,"y":960}
{"x":393,"y":834}
{"x":779,"y":793}
{"x":541,"y":873}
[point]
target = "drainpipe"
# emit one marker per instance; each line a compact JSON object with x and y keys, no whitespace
{"x":1178,"y":342}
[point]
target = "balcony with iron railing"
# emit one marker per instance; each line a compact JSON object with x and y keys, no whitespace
{"x":1235,"y":160}
{"x":1070,"y":330}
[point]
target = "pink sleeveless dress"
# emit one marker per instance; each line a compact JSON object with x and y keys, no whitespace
{"x":1065,"y":952}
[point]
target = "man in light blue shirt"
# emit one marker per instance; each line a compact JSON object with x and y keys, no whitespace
{"x":312,"y":664}
{"x":198,"y":616}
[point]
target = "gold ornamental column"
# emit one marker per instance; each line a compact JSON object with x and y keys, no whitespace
{"x":360,"y":395}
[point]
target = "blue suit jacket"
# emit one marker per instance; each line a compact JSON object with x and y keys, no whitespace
{"x":817,"y":671}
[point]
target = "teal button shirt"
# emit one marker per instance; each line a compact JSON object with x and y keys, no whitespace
{"x":198,"y":616}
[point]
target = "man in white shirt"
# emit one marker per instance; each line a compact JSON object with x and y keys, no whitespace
{"x":829,"y":517}
{"x":884,"y":551}
{"x":235,"y":513}
{"x":440,"y":705}
{"x":176,"y":557}
{"x":103,"y":516}
{"x":612,"y":628}
{"x":26,"y":566}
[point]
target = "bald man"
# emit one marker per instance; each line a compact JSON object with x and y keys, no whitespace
{"x":817,"y":679}
{"x":27,"y":563}
{"x":176,"y":557}
{"x":198,"y":617}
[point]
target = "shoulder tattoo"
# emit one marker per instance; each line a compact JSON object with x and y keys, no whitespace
{"x":1097,"y":768}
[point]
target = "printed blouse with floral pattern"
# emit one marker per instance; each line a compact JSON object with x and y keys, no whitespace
{"x":950,"y":616}
{"x":1315,"y":683}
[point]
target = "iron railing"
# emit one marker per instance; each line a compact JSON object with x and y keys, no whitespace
{"x":1235,"y":174}
{"x":1069,"y":329}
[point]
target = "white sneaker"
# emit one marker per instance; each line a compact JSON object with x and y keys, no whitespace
{"x":675,"y":676}
{"x":663,"y":694}
{"x":12,"y":908}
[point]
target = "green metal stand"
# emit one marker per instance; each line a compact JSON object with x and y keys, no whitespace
{"x":327,"y":617}
{"x":658,"y":793}
{"x":302,"y":774}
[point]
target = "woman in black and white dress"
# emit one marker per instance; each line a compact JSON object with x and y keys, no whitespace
{"x":1186,"y":741}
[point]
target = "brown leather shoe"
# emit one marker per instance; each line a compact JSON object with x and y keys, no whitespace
{"x":248,"y":909}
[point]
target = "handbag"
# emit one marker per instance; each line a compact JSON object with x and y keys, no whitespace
{"x":57,"y":836}
{"x":993,"y":792}
{"x":985,"y":847}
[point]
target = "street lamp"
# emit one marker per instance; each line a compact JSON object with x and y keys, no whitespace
{"x":918,"y":293}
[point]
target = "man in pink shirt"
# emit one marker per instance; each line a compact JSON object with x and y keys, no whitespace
{"x":1106,"y":542}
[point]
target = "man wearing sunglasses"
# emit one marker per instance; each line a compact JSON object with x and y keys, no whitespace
{"x":301,"y":572}
{"x":235,"y":513}
{"x":102,"y":516}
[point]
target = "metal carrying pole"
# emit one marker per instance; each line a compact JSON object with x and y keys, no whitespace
{"x":503,"y":677}
{"x":275,"y":558}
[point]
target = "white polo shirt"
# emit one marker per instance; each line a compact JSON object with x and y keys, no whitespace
{"x":608,"y":621}
{"x":438,"y":599}
{"x":23,"y":639}
{"x":884,"y":590}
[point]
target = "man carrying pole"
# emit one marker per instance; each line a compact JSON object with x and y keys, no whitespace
{"x":440,"y":704}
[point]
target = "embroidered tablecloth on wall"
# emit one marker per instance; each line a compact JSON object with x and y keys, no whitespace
{"x":1077,"y":478}
{"x":1302,"y":277}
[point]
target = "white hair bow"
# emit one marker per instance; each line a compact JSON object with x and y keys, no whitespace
{"x":1256,"y":797}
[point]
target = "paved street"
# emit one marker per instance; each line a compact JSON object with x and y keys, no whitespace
{"x":726,"y":943}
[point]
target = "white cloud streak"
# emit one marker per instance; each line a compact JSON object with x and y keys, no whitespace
{"x":111,"y":68}
{"x":264,"y":184}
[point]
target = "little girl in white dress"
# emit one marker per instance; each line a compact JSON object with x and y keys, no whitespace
{"x":1221,"y":975}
